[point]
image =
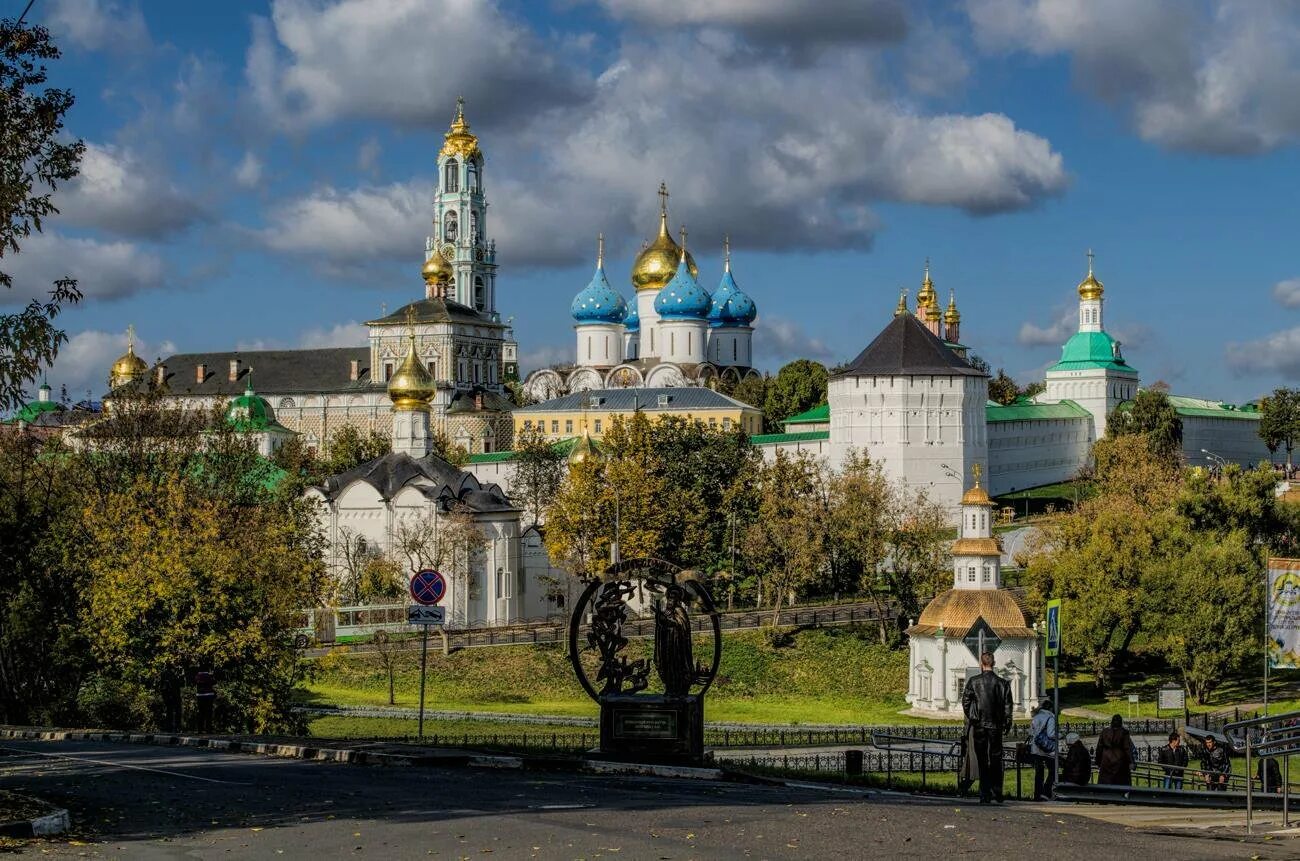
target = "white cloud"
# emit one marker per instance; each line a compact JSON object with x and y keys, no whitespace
{"x":1054,"y":334}
{"x":1278,"y":353}
{"x":368,"y":155}
{"x":350,"y":228}
{"x":402,"y":60}
{"x":118,"y":193}
{"x":350,"y":334}
{"x":1215,"y":77}
{"x":98,"y":24}
{"x":775,"y":22}
{"x":104,"y":270}
{"x":248,"y":173}
{"x":84,"y":361}
{"x":778,"y":338}
{"x":1287,"y":293}
{"x":544,"y":356}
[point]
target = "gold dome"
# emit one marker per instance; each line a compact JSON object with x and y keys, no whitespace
{"x":129,"y":367}
{"x":956,"y":611}
{"x":925,"y":296}
{"x":976,"y":495}
{"x":952,"y":315}
{"x":1090,"y":287}
{"x":436,"y":269}
{"x":657,"y":263}
{"x":584,"y":451}
{"x":459,"y":140}
{"x":902,"y":304}
{"x":411,"y":386}
{"x":932,"y":311}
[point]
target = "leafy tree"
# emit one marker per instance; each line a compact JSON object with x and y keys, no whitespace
{"x":1154,"y":417}
{"x":786,"y":541}
{"x":577,"y":534}
{"x":1003,"y":389}
{"x":539,"y":471}
{"x":977,"y":362}
{"x":383,"y":579}
{"x":919,"y":550}
{"x":349,"y":448}
{"x":752,"y":390}
{"x":442,"y":446}
{"x":862,"y":523}
{"x":1033,"y":389}
{"x":389,"y":651}
{"x":796,"y":388}
{"x":35,"y":158}
{"x":1279,"y":421}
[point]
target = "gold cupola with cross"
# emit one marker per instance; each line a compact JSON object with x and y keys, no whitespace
{"x":129,"y":367}
{"x":657,"y":263}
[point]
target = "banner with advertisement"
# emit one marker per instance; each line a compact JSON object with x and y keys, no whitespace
{"x":1284,"y":613}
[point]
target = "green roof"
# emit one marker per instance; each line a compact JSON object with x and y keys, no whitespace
{"x":1199,"y":407}
{"x":779,"y":438}
{"x":562,"y":446}
{"x":995,"y":412}
{"x":1087,"y":350}
{"x":821,"y":414}
{"x":250,"y":412}
{"x":32,"y":409}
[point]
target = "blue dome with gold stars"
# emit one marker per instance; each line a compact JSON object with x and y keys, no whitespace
{"x":598,"y":302}
{"x":682,"y":298}
{"x":731,"y":306}
{"x":632,"y":322}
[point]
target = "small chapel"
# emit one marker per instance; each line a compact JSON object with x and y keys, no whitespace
{"x":977,"y":614}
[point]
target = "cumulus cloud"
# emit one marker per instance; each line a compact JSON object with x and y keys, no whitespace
{"x":98,"y":25}
{"x":544,"y":356}
{"x":104,"y":270}
{"x":775,"y":22}
{"x":1053,"y":334}
{"x":248,"y":173}
{"x":312,"y":63}
{"x":1214,"y":77}
{"x":1278,"y":353}
{"x":1287,"y":293}
{"x":84,"y":361}
{"x":353,"y":227}
{"x":118,"y":193}
{"x":778,"y":338}
{"x":350,"y":334}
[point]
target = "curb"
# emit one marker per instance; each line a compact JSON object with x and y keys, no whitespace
{"x":55,"y":822}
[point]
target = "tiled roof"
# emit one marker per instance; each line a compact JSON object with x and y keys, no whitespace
{"x":626,"y":400}
{"x":905,"y":347}
{"x":1034,"y":412}
{"x":274,"y":371}
{"x":782,"y":438}
{"x":957,"y":611}
{"x":435,"y":311}
{"x":559,"y":446}
{"x":1198,"y":407}
{"x":436,"y":478}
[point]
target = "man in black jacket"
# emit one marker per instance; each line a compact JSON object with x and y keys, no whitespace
{"x":987,"y":704}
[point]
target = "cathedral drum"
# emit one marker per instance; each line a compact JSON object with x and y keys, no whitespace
{"x":633,"y":599}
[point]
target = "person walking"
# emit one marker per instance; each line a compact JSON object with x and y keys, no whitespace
{"x":1042,"y":749}
{"x":1115,"y":754}
{"x":205,"y":698}
{"x":1078,"y":765}
{"x":987,"y":704}
{"x":1173,"y":757}
{"x":1270,"y":774}
{"x":1216,"y":764}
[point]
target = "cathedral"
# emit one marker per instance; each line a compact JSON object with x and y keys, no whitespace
{"x":673,"y":333}
{"x":458,"y":330}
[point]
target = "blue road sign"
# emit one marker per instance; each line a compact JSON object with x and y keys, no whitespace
{"x":1053,"y":628}
{"x":428,"y":587}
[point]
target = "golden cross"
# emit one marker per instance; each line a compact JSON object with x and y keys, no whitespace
{"x":130,"y":337}
{"x":663,"y":198}
{"x":410,"y":322}
{"x":976,"y":471}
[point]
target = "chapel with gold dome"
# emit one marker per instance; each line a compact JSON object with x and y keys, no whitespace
{"x":671,"y":333}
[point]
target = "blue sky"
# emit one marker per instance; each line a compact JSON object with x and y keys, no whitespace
{"x":259,"y":173}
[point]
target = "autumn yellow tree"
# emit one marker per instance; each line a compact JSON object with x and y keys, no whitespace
{"x":787,"y":540}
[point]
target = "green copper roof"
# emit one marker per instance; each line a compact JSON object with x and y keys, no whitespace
{"x":563,"y":447}
{"x":995,"y":412}
{"x":1087,"y":350}
{"x":32,"y":409}
{"x":821,"y":414}
{"x":249,"y":412}
{"x":779,"y":438}
{"x":1201,"y":408}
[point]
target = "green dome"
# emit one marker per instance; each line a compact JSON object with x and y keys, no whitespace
{"x":1091,"y":350}
{"x":248,"y":412}
{"x":43,"y":404}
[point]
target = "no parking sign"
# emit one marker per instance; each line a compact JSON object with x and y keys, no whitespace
{"x":428,"y":587}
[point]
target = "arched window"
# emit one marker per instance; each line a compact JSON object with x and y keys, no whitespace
{"x":471,"y":170}
{"x":473,"y":226}
{"x":449,"y":225}
{"x":451,"y":176}
{"x":480,"y":293}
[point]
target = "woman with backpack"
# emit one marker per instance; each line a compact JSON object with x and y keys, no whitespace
{"x":1042,"y":750}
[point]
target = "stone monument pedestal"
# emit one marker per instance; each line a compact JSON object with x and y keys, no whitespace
{"x":652,"y":727}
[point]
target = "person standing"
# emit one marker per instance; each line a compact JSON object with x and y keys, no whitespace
{"x":1173,"y":757}
{"x":1270,"y":774}
{"x":987,"y":704}
{"x":1042,"y":748}
{"x":205,"y":698}
{"x":1115,"y":754}
{"x":1216,"y":764}
{"x":1078,"y":765}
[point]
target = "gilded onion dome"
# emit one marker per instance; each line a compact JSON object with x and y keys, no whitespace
{"x":925,"y":296}
{"x":932,"y":312}
{"x":129,"y":367}
{"x":682,"y":298}
{"x":459,"y":140}
{"x":655,"y":265}
{"x":976,"y":495}
{"x":436,"y":269}
{"x":411,"y":386}
{"x":584,"y":451}
{"x":902,"y":304}
{"x":1090,"y":287}
{"x":598,"y":302}
{"x":951,"y":314}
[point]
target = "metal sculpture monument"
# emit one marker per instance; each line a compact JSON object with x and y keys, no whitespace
{"x":634,"y":721}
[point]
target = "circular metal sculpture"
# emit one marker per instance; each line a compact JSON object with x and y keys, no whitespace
{"x":673,"y":606}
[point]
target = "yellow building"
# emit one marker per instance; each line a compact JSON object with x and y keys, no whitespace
{"x":594,"y":410}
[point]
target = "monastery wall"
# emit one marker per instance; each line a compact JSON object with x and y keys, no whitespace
{"x":1036,"y":452}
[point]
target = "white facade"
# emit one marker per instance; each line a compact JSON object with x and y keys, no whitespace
{"x":600,"y":345}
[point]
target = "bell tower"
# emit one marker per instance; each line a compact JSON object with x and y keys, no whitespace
{"x":460,"y":220}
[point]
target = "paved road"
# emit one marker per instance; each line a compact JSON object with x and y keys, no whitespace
{"x":155,"y":802}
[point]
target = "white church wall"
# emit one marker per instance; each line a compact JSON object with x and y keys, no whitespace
{"x":1234,"y":439}
{"x":1033,"y":453}
{"x":819,"y":448}
{"x":939,"y":667}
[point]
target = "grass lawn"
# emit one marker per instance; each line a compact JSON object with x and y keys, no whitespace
{"x":1078,"y":691}
{"x":346,"y":726}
